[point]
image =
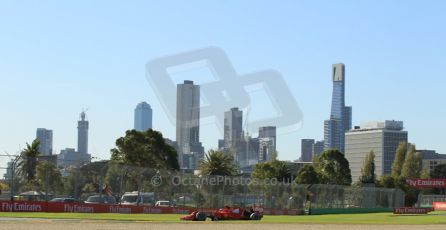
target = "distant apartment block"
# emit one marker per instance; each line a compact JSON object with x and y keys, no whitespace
{"x":318,"y":148}
{"x":430,"y":164}
{"x":70,"y":158}
{"x":45,"y":136}
{"x":430,"y":159}
{"x":8,"y":175}
{"x":307,"y":150}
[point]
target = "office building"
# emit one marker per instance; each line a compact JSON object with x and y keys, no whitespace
{"x":45,"y":137}
{"x":266,"y":149}
{"x":143,"y":117}
{"x":381,"y":137}
{"x":430,"y":159}
{"x":233,"y":130}
{"x":70,"y":158}
{"x":318,"y":148}
{"x":340,"y":116}
{"x":246,"y":151}
{"x":307,"y":150}
{"x":192,"y":159}
{"x":188,"y":122}
{"x":430,"y":154}
{"x":221,"y":144}
{"x":8,"y":175}
{"x":430,"y":164}
{"x":269,"y":132}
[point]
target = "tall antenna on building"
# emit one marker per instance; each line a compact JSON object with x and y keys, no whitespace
{"x":82,"y":116}
{"x":248,"y":109}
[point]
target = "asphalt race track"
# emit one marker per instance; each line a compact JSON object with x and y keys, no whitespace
{"x":47,"y":224}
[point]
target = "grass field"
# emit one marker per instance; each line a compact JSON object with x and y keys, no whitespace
{"x":364,"y":219}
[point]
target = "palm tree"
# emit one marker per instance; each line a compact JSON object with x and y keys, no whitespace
{"x":217,"y":163}
{"x":28,"y":161}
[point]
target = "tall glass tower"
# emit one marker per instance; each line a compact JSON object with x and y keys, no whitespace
{"x":190,"y":149}
{"x":143,"y":117}
{"x":341,"y":116}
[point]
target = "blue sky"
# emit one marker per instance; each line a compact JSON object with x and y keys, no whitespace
{"x":57,"y":57}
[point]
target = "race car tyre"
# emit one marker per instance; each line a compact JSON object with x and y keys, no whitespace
{"x":255,"y":216}
{"x":200,"y":216}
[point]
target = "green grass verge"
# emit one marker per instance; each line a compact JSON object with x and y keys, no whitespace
{"x":374,"y":218}
{"x":96,"y":216}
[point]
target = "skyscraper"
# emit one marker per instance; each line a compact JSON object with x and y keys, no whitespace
{"x":341,"y":116}
{"x":381,"y":137}
{"x":143,"y":117}
{"x":266,"y":149}
{"x":233,"y":129}
{"x":45,"y":136}
{"x":307,"y":150}
{"x":269,"y":132}
{"x":188,"y":122}
{"x":82,"y":134}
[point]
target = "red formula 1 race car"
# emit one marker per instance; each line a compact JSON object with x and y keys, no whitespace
{"x":226,"y":213}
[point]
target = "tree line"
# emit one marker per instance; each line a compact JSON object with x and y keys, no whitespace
{"x":137,"y":151}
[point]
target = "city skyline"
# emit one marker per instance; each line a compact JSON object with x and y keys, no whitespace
{"x":393,"y":57}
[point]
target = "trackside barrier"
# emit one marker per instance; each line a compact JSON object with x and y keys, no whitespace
{"x":25,"y":206}
{"x":326,"y":211}
{"x":439,"y":206}
{"x":410,"y":210}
